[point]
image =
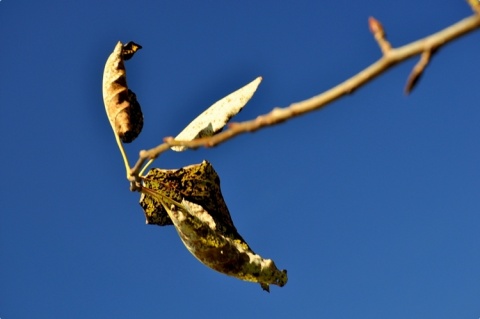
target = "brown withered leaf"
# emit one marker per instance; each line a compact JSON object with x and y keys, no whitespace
{"x":129,"y":50}
{"x":123,"y":110}
{"x":190,"y":198}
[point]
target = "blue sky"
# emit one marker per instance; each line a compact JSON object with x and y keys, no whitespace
{"x":372,"y":204}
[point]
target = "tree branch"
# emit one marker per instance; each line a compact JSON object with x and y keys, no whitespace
{"x":390,"y":57}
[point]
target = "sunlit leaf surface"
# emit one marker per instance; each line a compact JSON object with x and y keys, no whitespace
{"x":213,"y":119}
{"x":190,"y":198}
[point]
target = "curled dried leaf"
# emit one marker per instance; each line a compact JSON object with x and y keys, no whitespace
{"x":129,"y":50}
{"x":190,"y":198}
{"x":123,"y":110}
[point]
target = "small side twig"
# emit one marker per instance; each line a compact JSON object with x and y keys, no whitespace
{"x":391,"y":57}
{"x":417,"y":70}
{"x":379,"y":34}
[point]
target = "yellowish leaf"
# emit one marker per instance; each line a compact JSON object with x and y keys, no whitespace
{"x":213,"y":119}
{"x":190,"y":198}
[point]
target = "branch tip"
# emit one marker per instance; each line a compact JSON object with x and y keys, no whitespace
{"x":375,"y":26}
{"x":417,"y":71}
{"x":379,"y":34}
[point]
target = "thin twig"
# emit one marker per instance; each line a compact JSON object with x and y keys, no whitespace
{"x":417,"y":71}
{"x":379,"y":34}
{"x":390,"y":58}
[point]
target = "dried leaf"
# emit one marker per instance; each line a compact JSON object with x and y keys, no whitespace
{"x":121,"y":105}
{"x":212,"y":120}
{"x":190,"y":198}
{"x":129,"y":50}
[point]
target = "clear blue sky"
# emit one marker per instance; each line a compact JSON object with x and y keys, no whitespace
{"x":372,"y":204}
